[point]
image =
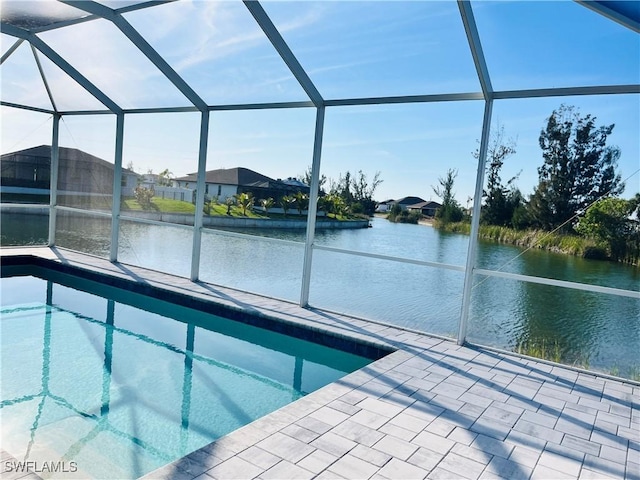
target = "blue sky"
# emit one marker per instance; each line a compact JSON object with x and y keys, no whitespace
{"x":350,"y":50}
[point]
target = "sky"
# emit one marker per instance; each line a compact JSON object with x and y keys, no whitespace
{"x":349,"y":49}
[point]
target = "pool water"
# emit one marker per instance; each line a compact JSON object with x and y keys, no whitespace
{"x":116,"y":386}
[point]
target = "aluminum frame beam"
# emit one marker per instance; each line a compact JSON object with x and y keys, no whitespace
{"x":284,"y":51}
{"x":585,"y":287}
{"x":313,"y":207}
{"x":26,"y":206}
{"x":26,"y":107}
{"x":11,"y":49}
{"x":53,"y":179}
{"x":117,"y":189}
{"x":442,"y":97}
{"x":88,"y":213}
{"x":44,"y":78}
{"x":194,"y":109}
{"x":498,"y":95}
{"x":262,"y":106}
{"x":410,"y":261}
{"x":62,"y":64}
{"x":568,"y":91}
{"x":619,"y":11}
{"x":200,"y":187}
{"x":138,"y":40}
{"x":475,"y":44}
{"x":159,"y":223}
{"x":475,"y":225}
{"x":470,"y":28}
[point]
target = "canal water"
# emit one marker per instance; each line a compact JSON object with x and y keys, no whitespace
{"x":592,"y":330}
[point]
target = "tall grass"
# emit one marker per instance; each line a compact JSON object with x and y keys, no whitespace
{"x":540,"y":349}
{"x":551,"y":350}
{"x":555,"y":242}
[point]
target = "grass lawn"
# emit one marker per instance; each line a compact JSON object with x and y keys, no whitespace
{"x":160,"y":205}
{"x":163,"y":205}
{"x":221,"y":210}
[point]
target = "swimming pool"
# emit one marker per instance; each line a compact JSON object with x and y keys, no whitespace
{"x":98,"y":382}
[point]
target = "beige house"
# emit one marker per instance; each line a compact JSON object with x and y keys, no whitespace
{"x":227,"y":182}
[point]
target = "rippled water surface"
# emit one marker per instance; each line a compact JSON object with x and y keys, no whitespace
{"x":595,"y":330}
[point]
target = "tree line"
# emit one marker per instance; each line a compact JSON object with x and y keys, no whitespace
{"x":578,"y":190}
{"x":351,"y":194}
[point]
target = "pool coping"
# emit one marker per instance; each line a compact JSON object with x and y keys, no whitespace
{"x":430,"y":409}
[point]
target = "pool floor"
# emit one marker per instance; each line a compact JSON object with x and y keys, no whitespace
{"x":106,"y":389}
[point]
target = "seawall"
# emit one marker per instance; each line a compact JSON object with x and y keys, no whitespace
{"x":213,"y":221}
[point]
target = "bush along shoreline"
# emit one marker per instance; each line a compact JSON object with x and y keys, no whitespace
{"x":541,"y":239}
{"x":398,"y":215}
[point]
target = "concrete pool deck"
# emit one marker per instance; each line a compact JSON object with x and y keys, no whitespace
{"x":431,"y":409}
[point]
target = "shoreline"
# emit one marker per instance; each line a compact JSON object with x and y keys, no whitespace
{"x":208,"y":220}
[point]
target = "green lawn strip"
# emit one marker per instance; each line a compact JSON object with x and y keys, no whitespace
{"x":163,"y":205}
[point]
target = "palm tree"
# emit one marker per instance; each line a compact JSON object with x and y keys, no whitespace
{"x":244,"y":201}
{"x":286,"y":202}
{"x":301,"y":200}
{"x":267,"y":203}
{"x":339,"y":206}
{"x":229,"y":202}
{"x":334,"y":204}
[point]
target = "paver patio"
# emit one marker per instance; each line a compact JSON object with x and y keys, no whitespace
{"x":432,"y":409}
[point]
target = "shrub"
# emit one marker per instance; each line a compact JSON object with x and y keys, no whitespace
{"x":143,"y":196}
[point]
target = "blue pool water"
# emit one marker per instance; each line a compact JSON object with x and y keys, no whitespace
{"x":116,"y":385}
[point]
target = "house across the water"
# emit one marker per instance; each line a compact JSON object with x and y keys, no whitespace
{"x":27,"y":173}
{"x":227,"y":182}
{"x":428,"y":209}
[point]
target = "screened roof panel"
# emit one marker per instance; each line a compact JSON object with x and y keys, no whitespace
{"x":561,"y":44}
{"x":6,"y":42}
{"x":23,"y":129}
{"x":21,"y":82}
{"x":116,"y":4}
{"x":100,"y":52}
{"x":219,"y":49}
{"x":67,"y":94}
{"x":30,"y":14}
{"x":370,"y":49}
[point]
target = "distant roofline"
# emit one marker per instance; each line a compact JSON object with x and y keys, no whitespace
{"x":62,"y":151}
{"x":192,"y":177}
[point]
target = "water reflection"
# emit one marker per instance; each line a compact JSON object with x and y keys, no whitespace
{"x":584,"y":329}
{"x":597,"y":329}
{"x":126,"y":393}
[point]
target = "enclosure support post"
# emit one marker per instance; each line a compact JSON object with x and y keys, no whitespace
{"x":475,"y":224}
{"x":117,"y":188}
{"x":53,"y":179}
{"x":313,"y":207}
{"x":200,"y":186}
